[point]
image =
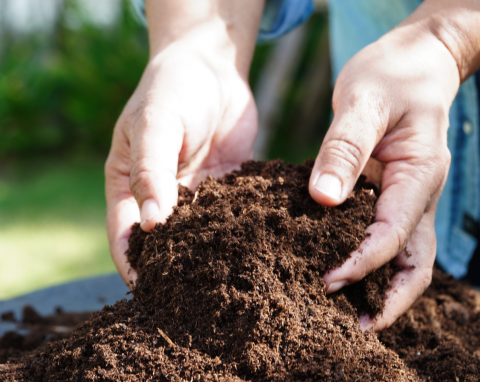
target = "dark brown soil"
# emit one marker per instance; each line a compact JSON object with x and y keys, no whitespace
{"x":439,"y":336}
{"x":231,"y":289}
{"x":37,"y":331}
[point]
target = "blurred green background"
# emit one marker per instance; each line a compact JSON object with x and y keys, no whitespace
{"x":67,"y":69}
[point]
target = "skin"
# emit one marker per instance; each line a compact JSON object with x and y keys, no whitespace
{"x":193,"y":114}
{"x":391,"y":103}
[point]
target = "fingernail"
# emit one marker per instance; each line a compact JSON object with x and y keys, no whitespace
{"x":149,"y":209}
{"x":337,"y":285}
{"x":329,"y":185}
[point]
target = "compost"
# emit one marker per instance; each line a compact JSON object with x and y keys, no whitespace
{"x":231,"y":289}
{"x":35,"y":331}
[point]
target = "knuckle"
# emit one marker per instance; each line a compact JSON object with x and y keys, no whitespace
{"x":122,"y":119}
{"x":145,"y":115}
{"x":343,"y":153}
{"x":360,"y":96}
{"x":403,"y":231}
{"x":115,"y":169}
{"x":429,"y":166}
{"x":141,"y":174}
{"x":109,"y":167}
{"x":427,"y":277}
{"x":128,"y":116}
{"x":439,"y":174}
{"x":144,"y":173}
{"x":140,"y":113}
{"x":442,"y":157}
{"x":447,"y":158}
{"x":148,"y":114}
{"x":370,"y":105}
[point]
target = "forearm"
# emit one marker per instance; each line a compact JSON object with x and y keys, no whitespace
{"x":456,"y":24}
{"x":219,"y":29}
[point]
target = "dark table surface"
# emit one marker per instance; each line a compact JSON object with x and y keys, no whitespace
{"x":78,"y":296}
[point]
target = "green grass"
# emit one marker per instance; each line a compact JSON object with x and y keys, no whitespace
{"x":52,"y":224}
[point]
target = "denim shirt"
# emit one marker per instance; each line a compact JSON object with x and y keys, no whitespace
{"x":279,"y":16}
{"x":353,"y":25}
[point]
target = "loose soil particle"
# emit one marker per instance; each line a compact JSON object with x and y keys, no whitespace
{"x":231,"y":289}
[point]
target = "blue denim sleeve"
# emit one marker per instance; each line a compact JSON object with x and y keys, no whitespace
{"x":279,"y":16}
{"x":139,"y":8}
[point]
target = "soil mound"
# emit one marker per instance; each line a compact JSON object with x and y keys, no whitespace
{"x":439,"y":336}
{"x":231,"y":289}
{"x":34,"y":331}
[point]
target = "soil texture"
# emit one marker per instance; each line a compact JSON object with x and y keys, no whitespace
{"x":34,"y":331}
{"x":439,"y":336}
{"x":231,"y":289}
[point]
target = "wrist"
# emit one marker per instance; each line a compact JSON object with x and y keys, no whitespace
{"x":192,"y":52}
{"x":454,"y":23}
{"x":413,"y":52}
{"x":208,"y":38}
{"x":216,"y":30}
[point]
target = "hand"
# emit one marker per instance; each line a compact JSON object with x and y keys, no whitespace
{"x":191,"y":115}
{"x":391,"y":102}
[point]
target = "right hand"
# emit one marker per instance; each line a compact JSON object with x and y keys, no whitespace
{"x":391,"y":102}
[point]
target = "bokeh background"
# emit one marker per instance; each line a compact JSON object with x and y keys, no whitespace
{"x":67,"y":68}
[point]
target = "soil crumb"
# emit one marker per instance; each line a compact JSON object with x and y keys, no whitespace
{"x":231,"y":289}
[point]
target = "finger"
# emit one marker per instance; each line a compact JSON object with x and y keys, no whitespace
{"x":122,"y":209}
{"x":231,"y":144}
{"x":416,"y":274}
{"x":156,"y":141}
{"x":345,"y":150}
{"x":373,"y":170}
{"x":407,"y":286}
{"x":121,"y":215}
{"x":404,"y":205}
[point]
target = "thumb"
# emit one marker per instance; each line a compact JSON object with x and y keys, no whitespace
{"x":345,"y":150}
{"x":156,"y":141}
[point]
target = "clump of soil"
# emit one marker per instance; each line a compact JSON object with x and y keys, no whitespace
{"x":231,"y":289}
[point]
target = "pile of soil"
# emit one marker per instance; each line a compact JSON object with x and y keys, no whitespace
{"x":231,"y":289}
{"x":439,"y":336}
{"x":34,"y":331}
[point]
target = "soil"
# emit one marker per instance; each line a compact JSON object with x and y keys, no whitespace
{"x":34,"y":331}
{"x":231,"y":289}
{"x":439,"y":336}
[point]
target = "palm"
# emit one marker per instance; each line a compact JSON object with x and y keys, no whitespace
{"x":220,"y":127}
{"x":228,"y":147}
{"x":185,"y":121}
